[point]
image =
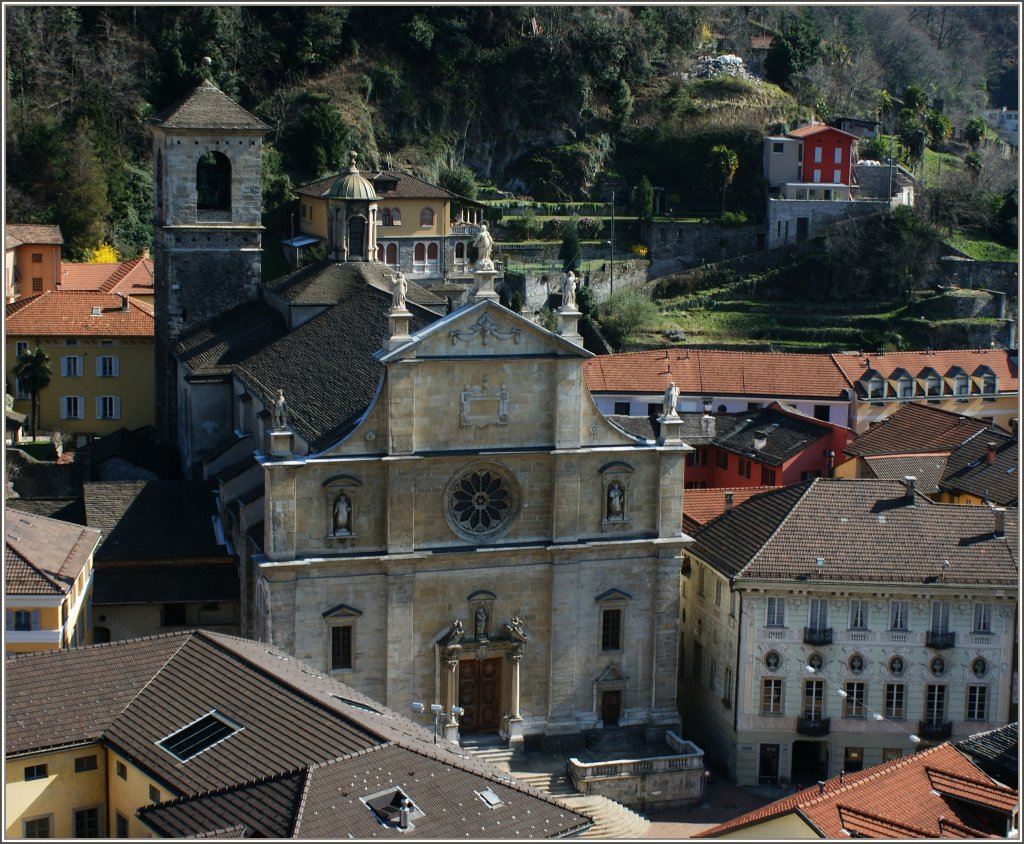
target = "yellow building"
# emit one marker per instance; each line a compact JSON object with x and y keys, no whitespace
{"x":32,"y":259}
{"x":48,"y":576}
{"x":100,"y":347}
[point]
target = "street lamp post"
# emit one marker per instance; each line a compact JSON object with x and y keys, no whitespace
{"x":437,"y":711}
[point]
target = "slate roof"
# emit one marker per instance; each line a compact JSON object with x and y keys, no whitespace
{"x":207,"y":107}
{"x":331,"y":282}
{"x":718,"y":373}
{"x":18,"y":234}
{"x":152,"y":520}
{"x":1002,"y":362}
{"x":387,"y":184}
{"x":937,"y":787}
{"x":134,"y":277}
{"x":866,"y":532}
{"x":916,"y":427}
{"x":176,"y":582}
{"x":59,"y":313}
{"x":213,"y":349}
{"x":968,"y":469}
{"x":307,"y":750}
{"x":44,"y":556}
{"x":64,"y":509}
{"x":996,"y":752}
{"x":138,"y":447}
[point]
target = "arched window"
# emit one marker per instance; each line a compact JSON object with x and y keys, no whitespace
{"x":385,"y":216}
{"x":432,"y":254}
{"x":396,"y":217}
{"x":419,"y":254}
{"x":357,"y":237}
{"x":427,"y":217}
{"x":460,"y":253}
{"x":213,"y":182}
{"x":391,"y":255}
{"x":380,"y":252}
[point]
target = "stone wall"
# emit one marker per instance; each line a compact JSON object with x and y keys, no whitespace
{"x":31,"y":478}
{"x":783,"y":215}
{"x":695,"y":243}
{"x":975,"y":275}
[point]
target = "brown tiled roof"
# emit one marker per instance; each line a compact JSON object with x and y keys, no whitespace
{"x":331,"y":282}
{"x":927,"y":469}
{"x":1003,"y":363}
{"x":717,"y":373}
{"x":64,"y":509}
{"x":59,"y":313}
{"x":916,"y":427}
{"x":207,"y":107}
{"x":134,"y":277}
{"x":968,"y":469}
{"x":702,"y":505}
{"x":307,"y":750}
{"x":33,"y":233}
{"x":387,"y":184}
{"x":44,"y":556}
{"x":936,"y":785}
{"x":866,"y":532}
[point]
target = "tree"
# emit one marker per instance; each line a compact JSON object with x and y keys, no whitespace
{"x":974,"y":131}
{"x":645,"y":198}
{"x":82,"y":204}
{"x":459,"y":179}
{"x":625,"y":313}
{"x":974,"y":165}
{"x":569,"y":252}
{"x":102,"y":254}
{"x":33,"y":371}
{"x":797,"y":47}
{"x":723,"y":165}
{"x":939,"y":128}
{"x":915,"y":98}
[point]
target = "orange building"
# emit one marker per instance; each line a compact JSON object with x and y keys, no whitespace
{"x":32,"y":259}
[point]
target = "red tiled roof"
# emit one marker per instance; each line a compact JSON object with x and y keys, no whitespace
{"x":702,"y":505}
{"x":718,"y":373}
{"x":915,"y":428}
{"x":29,"y":233}
{"x":1002,"y":363}
{"x":134,"y":277}
{"x":44,"y":556}
{"x":817,"y":128}
{"x":932,"y":784}
{"x":59,"y":313}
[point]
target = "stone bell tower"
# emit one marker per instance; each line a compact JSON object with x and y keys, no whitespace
{"x":206,"y":224}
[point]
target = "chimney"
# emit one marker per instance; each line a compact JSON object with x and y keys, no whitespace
{"x":124,"y":301}
{"x":144,"y":254}
{"x":1000,"y":526}
{"x":403,"y":812}
{"x":728,"y":500}
{"x":821,"y":786}
{"x":990,"y":455}
{"x":911,"y":483}
{"x":1014,"y":423}
{"x":760,"y":440}
{"x":830,"y":462}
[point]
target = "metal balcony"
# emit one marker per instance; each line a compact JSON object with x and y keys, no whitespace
{"x":935,"y":730}
{"x":939,"y":641}
{"x":817,"y":636}
{"x":813,"y":726}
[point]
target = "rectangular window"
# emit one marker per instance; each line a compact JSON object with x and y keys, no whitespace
{"x":72,"y":407}
{"x":173,"y":615}
{"x":23,"y":620}
{"x":817,"y":155}
{"x":21,"y":392}
{"x":775,"y":613}
{"x":940,"y":617}
{"x":934,"y":704}
{"x":37,"y":257}
{"x":20,"y":347}
{"x":732,"y":604}
{"x":906,"y":388}
{"x":154,"y":794}
{"x":713,"y":675}
{"x":108,"y":407}
{"x":853,"y":703}
{"x":853,"y":759}
{"x":653,"y":409}
{"x":698,"y":660}
{"x":611,"y":630}
{"x":895,"y":697}
{"x":38,"y":827}
{"x":722,"y":460}
{"x":821,"y":411}
{"x":982,"y":618}
{"x":837,"y":176}
{"x":817,"y":176}
{"x":697,"y":457}
{"x":701,"y":580}
{"x":727,"y":688}
{"x":771,"y":696}
{"x":35,"y":772}
{"x":122,"y":770}
{"x":71,"y":366}
{"x":341,"y":648}
{"x":767,"y":476}
{"x":778,"y":146}
{"x":87,"y":823}
{"x":898,"y":615}
{"x":977,"y":700}
{"x":121,"y":825}
{"x":718,"y":592}
{"x":108,"y":366}
{"x":839,"y":156}
{"x":814,"y":699}
{"x":891,"y":753}
{"x":858,"y":615}
{"x":37,"y":284}
{"x":744,"y":467}
{"x":818,"y":614}
{"x":621,"y":408}
{"x":85,"y":763}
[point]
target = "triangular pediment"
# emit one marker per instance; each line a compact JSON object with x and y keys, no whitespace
{"x":483,"y":329}
{"x":611,"y":674}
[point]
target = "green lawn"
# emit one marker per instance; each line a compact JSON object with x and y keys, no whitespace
{"x":975,"y":245}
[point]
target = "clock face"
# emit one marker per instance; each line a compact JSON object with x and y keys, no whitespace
{"x":481,"y":501}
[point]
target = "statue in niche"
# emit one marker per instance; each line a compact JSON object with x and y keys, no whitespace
{"x":569,"y":291}
{"x":616,"y":501}
{"x":480,"y":624}
{"x":515,"y":629}
{"x":671,"y":400}
{"x":342,"y":516}
{"x":399,"y":288}
{"x":280,"y":411}
{"x":483,"y":243}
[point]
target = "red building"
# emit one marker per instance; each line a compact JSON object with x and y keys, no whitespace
{"x":826,"y":154}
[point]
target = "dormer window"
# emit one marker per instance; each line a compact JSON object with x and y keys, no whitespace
{"x":988,"y":385}
{"x":962,"y":385}
{"x":933,"y":386}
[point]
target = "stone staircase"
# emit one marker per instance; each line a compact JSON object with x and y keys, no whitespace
{"x":611,"y":819}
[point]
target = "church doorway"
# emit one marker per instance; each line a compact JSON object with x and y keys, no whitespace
{"x":810,"y":762}
{"x":480,"y":695}
{"x":611,"y":707}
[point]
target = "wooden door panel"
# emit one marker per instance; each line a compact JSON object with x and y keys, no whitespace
{"x":480,"y":695}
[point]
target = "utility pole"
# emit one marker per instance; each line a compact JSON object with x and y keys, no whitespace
{"x":611,"y":277}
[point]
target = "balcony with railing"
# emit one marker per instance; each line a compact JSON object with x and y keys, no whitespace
{"x":939,"y":639}
{"x":812,"y":726}
{"x":935,"y":730}
{"x":818,"y":636}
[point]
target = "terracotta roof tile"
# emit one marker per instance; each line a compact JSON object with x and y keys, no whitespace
{"x":702,"y":505}
{"x":44,"y":556}
{"x":1002,"y":362}
{"x":816,"y":129}
{"x":70,"y":314}
{"x":969,"y":470}
{"x":33,"y":233}
{"x":133,"y":277}
{"x":718,"y":373}
{"x":916,"y":427}
{"x":925,"y":783}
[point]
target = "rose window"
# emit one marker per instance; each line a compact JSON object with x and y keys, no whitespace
{"x":481,"y":501}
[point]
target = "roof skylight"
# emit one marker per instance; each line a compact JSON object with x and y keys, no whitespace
{"x":198,"y":736}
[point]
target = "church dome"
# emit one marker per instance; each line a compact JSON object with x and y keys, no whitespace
{"x":351,"y":185}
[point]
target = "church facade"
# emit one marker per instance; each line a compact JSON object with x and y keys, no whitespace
{"x":430,"y":506}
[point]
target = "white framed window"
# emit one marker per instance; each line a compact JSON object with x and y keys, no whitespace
{"x":814,"y":699}
{"x":962,"y":385}
{"x":775,"y":612}
{"x":72,"y":407}
{"x":895,"y":700}
{"x":898,"y":615}
{"x":934,"y":703}
{"x":20,"y":347}
{"x":433,"y":255}
{"x":419,"y":256}
{"x":988,"y":385}
{"x":817,"y":155}
{"x":940,"y":617}
{"x":71,"y":366}
{"x":977,"y":703}
{"x":23,"y":620}
{"x":853,"y":703}
{"x":817,"y":175}
{"x":906,"y":388}
{"x":982,"y":622}
{"x":817,"y":618}
{"x":771,"y":696}
{"x":426,"y":217}
{"x":858,"y":614}
{"x":108,"y":407}
{"x":837,"y":176}
{"x":933,"y":386}
{"x":839,"y":156}
{"x":108,"y":366}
